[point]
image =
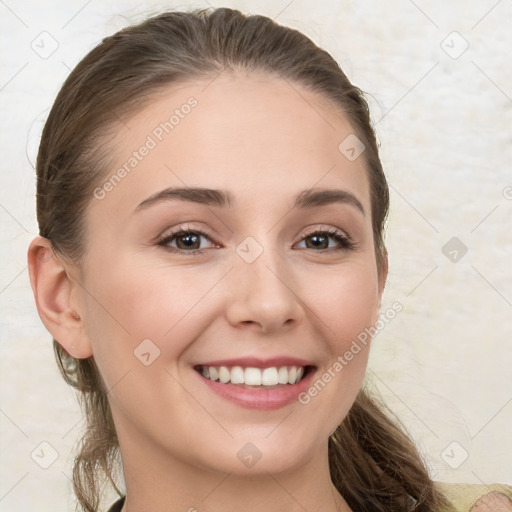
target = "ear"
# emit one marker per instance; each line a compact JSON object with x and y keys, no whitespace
{"x":383,"y":273}
{"x":54,"y":292}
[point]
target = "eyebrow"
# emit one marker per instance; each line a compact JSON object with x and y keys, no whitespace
{"x":223,"y":199}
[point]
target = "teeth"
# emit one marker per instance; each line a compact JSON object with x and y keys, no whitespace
{"x":224,"y":374}
{"x":237,"y":375}
{"x":269,"y":377}
{"x":282,"y":375}
{"x":254,"y":376}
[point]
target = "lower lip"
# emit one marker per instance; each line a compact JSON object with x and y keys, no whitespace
{"x":261,"y":399}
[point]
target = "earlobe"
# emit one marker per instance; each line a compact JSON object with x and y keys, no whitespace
{"x":52,"y":288}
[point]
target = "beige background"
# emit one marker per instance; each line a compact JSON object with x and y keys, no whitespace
{"x":443,"y":114}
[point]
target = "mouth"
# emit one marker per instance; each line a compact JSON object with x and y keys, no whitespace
{"x":264,"y":388}
{"x":272,"y":377}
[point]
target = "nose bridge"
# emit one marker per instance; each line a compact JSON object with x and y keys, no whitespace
{"x":263,"y":285}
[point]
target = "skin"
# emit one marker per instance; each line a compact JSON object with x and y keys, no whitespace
{"x":492,"y":502}
{"x":264,"y":141}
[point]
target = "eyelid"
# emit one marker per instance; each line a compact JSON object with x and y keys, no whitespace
{"x":185,"y":228}
{"x":325,"y":229}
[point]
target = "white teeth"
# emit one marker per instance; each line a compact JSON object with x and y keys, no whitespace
{"x":214,"y":374}
{"x":237,"y":375}
{"x":269,"y":377}
{"x":224,"y":374}
{"x":283,"y":375}
{"x":254,"y":376}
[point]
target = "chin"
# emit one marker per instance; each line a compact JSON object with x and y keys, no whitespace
{"x":259,"y":455}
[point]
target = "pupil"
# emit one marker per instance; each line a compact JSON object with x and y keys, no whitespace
{"x":191,"y":239}
{"x":321,"y":239}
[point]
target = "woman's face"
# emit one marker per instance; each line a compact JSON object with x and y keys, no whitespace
{"x":271,"y":278}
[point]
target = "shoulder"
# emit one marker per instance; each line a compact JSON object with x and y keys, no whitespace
{"x":476,"y":497}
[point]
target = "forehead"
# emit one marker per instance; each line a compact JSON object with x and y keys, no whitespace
{"x":257,"y":135}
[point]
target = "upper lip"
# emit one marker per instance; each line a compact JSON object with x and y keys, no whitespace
{"x":256,"y":362}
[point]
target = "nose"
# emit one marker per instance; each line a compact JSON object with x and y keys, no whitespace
{"x":263,"y":295}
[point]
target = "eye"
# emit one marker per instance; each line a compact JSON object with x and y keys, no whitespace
{"x":186,"y":240}
{"x":320,"y":239}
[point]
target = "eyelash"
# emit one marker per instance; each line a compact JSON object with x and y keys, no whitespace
{"x":346,"y":244}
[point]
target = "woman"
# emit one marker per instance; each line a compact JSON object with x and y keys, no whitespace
{"x":211,"y":207}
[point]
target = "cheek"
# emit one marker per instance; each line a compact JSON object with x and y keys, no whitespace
{"x":346,"y":302}
{"x":353,"y":309}
{"x":129,"y":304}
{"x":347,"y":306}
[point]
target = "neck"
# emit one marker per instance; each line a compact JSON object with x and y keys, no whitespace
{"x":157,"y":483}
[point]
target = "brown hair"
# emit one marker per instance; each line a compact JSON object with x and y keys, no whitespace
{"x":373,"y":463}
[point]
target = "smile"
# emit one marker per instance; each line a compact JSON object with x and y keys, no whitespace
{"x":254,"y":377}
{"x":264,"y":388}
